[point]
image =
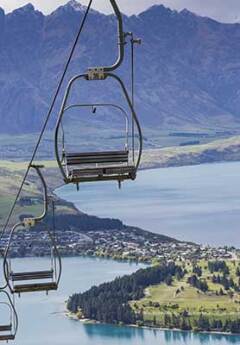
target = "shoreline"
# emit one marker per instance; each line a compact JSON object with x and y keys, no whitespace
{"x":156,"y":167}
{"x":72,"y":316}
{"x":83,"y":256}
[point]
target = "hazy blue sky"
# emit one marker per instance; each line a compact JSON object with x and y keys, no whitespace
{"x":223,"y":10}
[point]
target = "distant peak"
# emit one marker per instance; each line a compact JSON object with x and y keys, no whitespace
{"x":186,"y":12}
{"x":76,"y":5}
{"x":163,"y":10}
{"x":27,"y":8}
{"x":158,"y":9}
{"x":73,"y":6}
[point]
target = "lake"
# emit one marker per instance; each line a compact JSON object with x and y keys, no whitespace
{"x":42,"y":319}
{"x":198,"y":203}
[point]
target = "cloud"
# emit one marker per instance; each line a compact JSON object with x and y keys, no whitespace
{"x":222,"y":10}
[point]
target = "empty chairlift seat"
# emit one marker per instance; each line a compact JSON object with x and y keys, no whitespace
{"x":8,"y":329}
{"x":35,"y":280}
{"x":28,"y":286}
{"x":78,"y":167}
{"x":98,"y":166}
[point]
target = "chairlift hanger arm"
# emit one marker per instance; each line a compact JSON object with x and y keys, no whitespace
{"x":58,"y":274}
{"x":135,"y":118}
{"x":121,"y":46}
{"x":121,"y":42}
{"x":45,"y":192}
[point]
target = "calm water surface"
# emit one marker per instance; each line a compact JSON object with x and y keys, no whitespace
{"x":199,"y":203}
{"x":42,"y":320}
{"x":194,"y":203}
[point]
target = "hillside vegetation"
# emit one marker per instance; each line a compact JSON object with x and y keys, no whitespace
{"x":11,"y":173}
{"x":67,"y":215}
{"x":227,"y":150}
{"x":204,"y":296}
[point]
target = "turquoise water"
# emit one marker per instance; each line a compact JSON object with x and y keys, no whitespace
{"x":42,"y":319}
{"x":199,"y":203}
{"x":194,"y":203}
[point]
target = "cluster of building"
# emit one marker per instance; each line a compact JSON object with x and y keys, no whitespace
{"x":125,"y":244}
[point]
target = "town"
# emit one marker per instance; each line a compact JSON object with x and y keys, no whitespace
{"x":127,"y":243}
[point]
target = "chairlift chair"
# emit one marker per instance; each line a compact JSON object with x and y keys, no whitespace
{"x":112,"y":165}
{"x":79,"y":167}
{"x":8,"y":330}
{"x":33,"y":281}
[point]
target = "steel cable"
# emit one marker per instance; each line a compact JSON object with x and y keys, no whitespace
{"x":48,"y":115}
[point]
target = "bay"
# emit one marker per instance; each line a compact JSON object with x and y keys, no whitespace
{"x":43,"y":321}
{"x":195,"y":203}
{"x":192,"y":203}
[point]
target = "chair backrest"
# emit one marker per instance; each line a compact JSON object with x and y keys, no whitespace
{"x":5,"y":328}
{"x":7,"y":337}
{"x":32,"y":275}
{"x":96,"y":157}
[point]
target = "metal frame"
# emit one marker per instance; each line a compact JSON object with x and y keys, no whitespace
{"x":55,"y":260}
{"x":32,"y":222}
{"x":64,"y":107}
{"x":102,"y":73}
{"x":121,"y":42}
{"x":45,"y":192}
{"x":13,"y":317}
{"x":97,"y":105}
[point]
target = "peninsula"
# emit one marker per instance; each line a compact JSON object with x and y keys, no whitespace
{"x":199,"y":296}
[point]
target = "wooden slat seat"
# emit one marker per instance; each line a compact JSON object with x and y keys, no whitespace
{"x":98,"y":166}
{"x":7,"y":337}
{"x":96,"y":157}
{"x":32,"y":275}
{"x":5,"y":328}
{"x":35,"y":287}
{"x":111,"y":170}
{"x":118,"y":173}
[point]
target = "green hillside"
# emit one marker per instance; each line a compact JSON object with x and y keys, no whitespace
{"x":209,"y":304}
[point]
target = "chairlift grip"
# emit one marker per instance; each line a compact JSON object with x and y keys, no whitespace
{"x":99,"y":72}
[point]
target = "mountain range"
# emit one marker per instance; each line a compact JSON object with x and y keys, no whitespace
{"x":187,"y":69}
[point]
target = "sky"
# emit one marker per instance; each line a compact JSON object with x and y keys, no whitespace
{"x":222,"y":10}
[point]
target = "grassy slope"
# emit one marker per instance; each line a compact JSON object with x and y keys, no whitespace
{"x":219,"y":150}
{"x":216,"y":151}
{"x":222,"y":150}
{"x":222,"y":307}
{"x":11,"y":175}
